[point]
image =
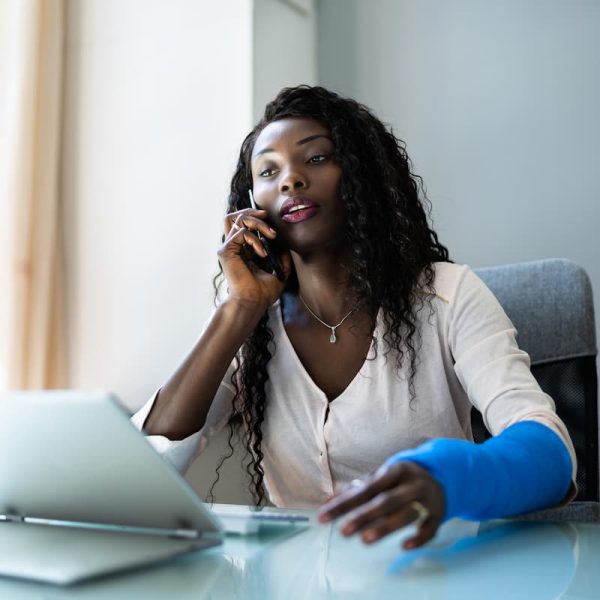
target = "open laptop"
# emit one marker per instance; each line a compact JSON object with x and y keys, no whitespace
{"x":82,"y":493}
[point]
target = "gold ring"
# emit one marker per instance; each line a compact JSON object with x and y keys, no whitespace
{"x":422,"y":511}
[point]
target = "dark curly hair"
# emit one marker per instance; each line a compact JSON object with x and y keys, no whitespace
{"x":391,"y":246}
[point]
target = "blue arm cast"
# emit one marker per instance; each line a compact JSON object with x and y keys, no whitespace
{"x":527,"y":467}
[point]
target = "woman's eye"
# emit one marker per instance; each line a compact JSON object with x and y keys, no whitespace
{"x":318,"y":158}
{"x":267,"y":172}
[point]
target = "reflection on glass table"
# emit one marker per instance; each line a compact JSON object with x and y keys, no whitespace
{"x":500,"y":559}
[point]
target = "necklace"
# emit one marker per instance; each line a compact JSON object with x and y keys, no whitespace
{"x":332,"y":337}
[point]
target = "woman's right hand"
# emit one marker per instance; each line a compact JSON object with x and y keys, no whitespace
{"x":246,"y":281}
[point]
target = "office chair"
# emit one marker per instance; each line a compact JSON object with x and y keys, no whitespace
{"x":550,"y":304}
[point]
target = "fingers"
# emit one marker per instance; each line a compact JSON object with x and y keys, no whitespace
{"x":387,"y":524}
{"x":250,"y":219}
{"x":391,"y":508}
{"x":357,"y":495}
{"x":377,"y":521}
{"x":241,"y":236}
{"x":245,"y":233}
{"x":391,"y":511}
{"x":425,"y":533}
{"x":394,"y":497}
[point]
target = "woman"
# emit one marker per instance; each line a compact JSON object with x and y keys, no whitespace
{"x":369,"y":343}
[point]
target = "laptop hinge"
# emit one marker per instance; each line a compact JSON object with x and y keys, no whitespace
{"x":12,"y":518}
{"x":178,"y":533}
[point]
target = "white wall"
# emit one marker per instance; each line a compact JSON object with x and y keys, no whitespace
{"x":159,"y":96}
{"x":158,"y":99}
{"x":285,"y":48}
{"x":499,"y":105}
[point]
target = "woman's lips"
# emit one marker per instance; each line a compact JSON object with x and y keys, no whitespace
{"x":297,"y":209}
{"x":300,"y":214}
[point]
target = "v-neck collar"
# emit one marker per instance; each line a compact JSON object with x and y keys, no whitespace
{"x":362,"y":372}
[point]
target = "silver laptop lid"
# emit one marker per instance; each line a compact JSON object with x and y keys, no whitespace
{"x":75,"y":456}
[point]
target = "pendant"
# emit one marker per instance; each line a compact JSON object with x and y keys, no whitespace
{"x":332,"y":338}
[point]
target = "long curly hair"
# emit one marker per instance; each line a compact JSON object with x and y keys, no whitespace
{"x":390,"y":242}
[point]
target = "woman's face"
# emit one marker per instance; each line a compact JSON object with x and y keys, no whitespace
{"x":297,"y":181}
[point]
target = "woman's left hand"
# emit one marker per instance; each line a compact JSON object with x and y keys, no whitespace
{"x":393,"y":497}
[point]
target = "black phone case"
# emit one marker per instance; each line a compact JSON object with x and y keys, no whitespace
{"x":270,"y":264}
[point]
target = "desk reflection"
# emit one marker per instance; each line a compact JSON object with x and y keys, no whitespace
{"x":499,"y":560}
{"x":495,"y":560}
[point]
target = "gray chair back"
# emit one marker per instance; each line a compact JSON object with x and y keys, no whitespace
{"x":550,"y":304}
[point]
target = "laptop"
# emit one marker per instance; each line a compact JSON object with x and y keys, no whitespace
{"x":83,"y":493}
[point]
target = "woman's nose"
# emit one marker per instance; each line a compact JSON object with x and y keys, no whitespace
{"x":292,"y":180}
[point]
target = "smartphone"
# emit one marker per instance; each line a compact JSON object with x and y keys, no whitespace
{"x":270,"y":264}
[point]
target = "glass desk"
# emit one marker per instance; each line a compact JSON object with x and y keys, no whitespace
{"x":500,"y":559}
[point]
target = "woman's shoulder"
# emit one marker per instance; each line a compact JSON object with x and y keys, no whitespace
{"x":460,"y":289}
{"x":448,"y":278}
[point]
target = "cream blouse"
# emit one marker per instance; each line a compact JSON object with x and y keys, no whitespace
{"x":468,"y":356}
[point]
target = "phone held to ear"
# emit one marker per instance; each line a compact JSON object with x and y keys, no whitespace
{"x":270,"y":264}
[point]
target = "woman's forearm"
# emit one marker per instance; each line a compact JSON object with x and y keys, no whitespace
{"x":183,"y":402}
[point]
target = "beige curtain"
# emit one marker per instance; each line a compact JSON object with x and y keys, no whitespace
{"x":31,"y":284}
